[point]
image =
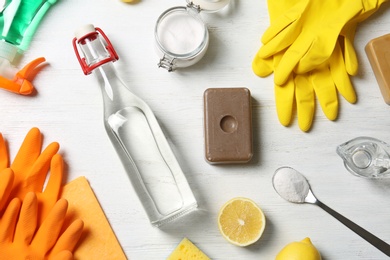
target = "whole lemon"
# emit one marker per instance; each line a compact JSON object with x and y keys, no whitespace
{"x":130,"y":1}
{"x":302,"y":250}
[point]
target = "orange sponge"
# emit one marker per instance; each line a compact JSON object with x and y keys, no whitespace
{"x":98,"y":240}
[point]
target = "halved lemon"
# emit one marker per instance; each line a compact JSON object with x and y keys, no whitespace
{"x":241,"y":221}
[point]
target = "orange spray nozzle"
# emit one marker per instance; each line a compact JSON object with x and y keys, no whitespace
{"x":21,"y":84}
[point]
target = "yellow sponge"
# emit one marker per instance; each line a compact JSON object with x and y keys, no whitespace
{"x":98,"y":240}
{"x":186,"y":250}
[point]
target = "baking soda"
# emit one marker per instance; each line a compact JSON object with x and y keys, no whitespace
{"x":181,"y":33}
{"x":291,"y":185}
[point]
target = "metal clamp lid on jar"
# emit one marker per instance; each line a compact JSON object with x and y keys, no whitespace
{"x":181,"y":35}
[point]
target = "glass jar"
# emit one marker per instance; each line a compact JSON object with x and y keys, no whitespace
{"x":181,"y":35}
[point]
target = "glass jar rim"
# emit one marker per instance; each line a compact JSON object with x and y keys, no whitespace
{"x":209,"y":6}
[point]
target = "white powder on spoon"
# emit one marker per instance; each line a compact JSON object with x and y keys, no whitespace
{"x":290,"y":185}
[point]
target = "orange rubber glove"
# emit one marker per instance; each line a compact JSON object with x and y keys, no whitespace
{"x":6,"y":181}
{"x":31,"y":167}
{"x":29,"y":160}
{"x":21,"y":237}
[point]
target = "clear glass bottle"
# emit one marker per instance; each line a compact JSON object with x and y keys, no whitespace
{"x":135,"y":133}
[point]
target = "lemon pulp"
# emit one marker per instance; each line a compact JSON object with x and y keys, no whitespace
{"x":241,"y":221}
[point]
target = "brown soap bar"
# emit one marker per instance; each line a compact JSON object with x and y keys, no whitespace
{"x":378,"y":53}
{"x":228,"y":125}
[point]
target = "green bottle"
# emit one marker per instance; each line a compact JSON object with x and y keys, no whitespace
{"x":19,"y":20}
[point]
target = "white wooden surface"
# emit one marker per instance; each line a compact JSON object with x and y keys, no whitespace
{"x":68,"y":109}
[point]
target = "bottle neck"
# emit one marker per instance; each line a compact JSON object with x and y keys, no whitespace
{"x":109,"y":81}
{"x":114,"y":91}
{"x":105,"y":72}
{"x":94,"y":51}
{"x":97,"y":57}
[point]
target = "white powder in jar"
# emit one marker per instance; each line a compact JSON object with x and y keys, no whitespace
{"x":291,"y":185}
{"x":181,"y":33}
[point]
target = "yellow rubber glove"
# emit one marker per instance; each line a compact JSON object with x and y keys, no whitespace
{"x":348,"y":35}
{"x":323,"y":81}
{"x":308,"y":32}
{"x":21,"y":237}
{"x":31,"y":168}
{"x":296,"y":90}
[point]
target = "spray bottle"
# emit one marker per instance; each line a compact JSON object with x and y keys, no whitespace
{"x":19,"y":20}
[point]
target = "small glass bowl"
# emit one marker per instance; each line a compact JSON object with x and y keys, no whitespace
{"x":366,"y":157}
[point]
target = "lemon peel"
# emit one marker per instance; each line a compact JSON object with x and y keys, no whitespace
{"x":302,"y":250}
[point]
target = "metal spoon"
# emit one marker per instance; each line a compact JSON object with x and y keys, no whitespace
{"x":294,"y":187}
